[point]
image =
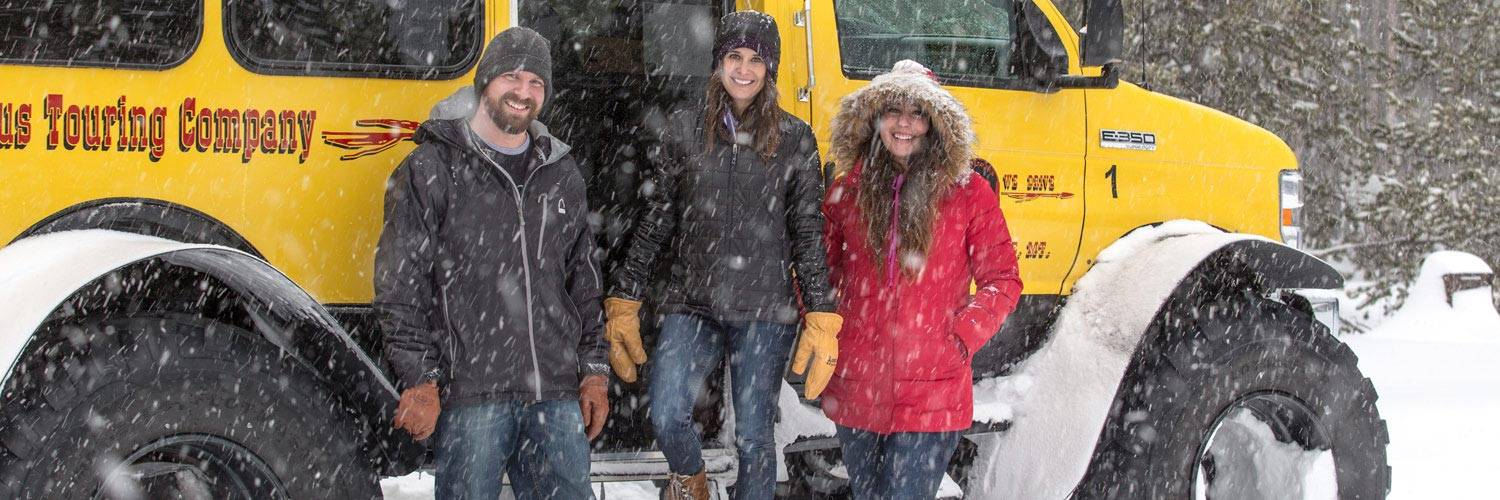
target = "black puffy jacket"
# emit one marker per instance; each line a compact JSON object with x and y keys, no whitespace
{"x":734,"y":226}
{"x":485,"y":283}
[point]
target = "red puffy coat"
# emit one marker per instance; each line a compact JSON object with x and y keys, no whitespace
{"x":907,"y":342}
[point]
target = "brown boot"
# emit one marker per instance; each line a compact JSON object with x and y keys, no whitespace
{"x":694,"y":487}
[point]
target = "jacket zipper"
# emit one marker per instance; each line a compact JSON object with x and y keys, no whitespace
{"x":536,"y":366}
{"x":458,"y":341}
{"x":541,"y":236}
{"x":891,"y":339}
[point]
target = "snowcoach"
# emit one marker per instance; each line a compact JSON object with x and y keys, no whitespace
{"x":190,"y":195}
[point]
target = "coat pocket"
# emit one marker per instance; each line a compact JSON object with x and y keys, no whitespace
{"x":926,"y":396}
{"x":931,"y":353}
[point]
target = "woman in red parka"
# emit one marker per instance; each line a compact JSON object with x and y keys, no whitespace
{"x":909,"y":227}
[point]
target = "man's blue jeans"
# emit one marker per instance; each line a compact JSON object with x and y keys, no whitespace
{"x":689,"y":348}
{"x":897,"y":466}
{"x":542,"y":445}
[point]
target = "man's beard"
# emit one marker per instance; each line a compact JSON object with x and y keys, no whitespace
{"x":506,"y":121}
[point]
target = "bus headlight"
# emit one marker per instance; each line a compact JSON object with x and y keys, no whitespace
{"x":1291,"y":208}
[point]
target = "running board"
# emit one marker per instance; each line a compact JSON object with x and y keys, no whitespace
{"x":825,"y":443}
{"x":720,"y":464}
{"x":648,"y":465}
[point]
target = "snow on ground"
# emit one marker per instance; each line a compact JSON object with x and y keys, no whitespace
{"x":1435,"y":367}
{"x":1437,"y":370}
{"x":1440,"y":398}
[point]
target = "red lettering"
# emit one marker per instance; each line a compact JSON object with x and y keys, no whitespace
{"x":23,"y":126}
{"x":186,"y":133}
{"x":306,"y":119}
{"x":122,"y":117}
{"x":252,"y":134}
{"x":92,"y":131}
{"x":226,"y":129}
{"x":72,"y":127}
{"x":205,"y":128}
{"x":138,"y":129}
{"x":108,"y":116}
{"x":158,"y":133}
{"x":287,"y":132}
{"x":7,"y":125}
{"x":268,"y":143}
{"x":52,"y":109}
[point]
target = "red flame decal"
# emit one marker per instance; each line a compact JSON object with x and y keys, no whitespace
{"x":369,"y":143}
{"x":1022,"y":197}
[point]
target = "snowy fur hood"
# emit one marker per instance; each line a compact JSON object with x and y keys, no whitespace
{"x":854,"y":125}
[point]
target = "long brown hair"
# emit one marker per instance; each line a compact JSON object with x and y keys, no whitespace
{"x":762,"y":117}
{"x":927,"y":182}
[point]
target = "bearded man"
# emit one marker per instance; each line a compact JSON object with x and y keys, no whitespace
{"x":488,"y":292}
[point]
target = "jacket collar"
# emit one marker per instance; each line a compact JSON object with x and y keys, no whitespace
{"x":454,"y":134}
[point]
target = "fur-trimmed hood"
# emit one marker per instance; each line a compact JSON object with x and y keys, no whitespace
{"x":854,"y":125}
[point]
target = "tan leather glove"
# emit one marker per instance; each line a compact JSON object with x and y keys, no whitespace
{"x":820,"y":346}
{"x":593,"y":400}
{"x":418,"y":411}
{"x":622,"y":327}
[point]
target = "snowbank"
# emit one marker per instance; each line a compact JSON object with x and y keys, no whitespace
{"x":995,"y":398}
{"x":1070,"y":382}
{"x":1435,"y":368}
{"x":1427,"y":315}
{"x":39,"y":272}
{"x":798,"y":420}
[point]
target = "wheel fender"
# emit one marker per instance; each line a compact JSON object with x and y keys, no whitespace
{"x":1075,"y":376}
{"x":38,"y":274}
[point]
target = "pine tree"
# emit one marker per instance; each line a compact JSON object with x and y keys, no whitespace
{"x":1391,"y":106}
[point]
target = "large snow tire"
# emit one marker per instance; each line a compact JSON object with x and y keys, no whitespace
{"x":1214,"y":367}
{"x":173,"y":407}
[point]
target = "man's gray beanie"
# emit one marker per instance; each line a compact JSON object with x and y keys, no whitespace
{"x":515,"y":48}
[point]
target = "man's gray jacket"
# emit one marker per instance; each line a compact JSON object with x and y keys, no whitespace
{"x":485,"y":283}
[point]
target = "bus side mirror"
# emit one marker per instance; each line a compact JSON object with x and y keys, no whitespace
{"x":1104,"y":32}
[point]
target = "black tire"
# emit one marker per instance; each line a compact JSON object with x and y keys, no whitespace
{"x":173,"y":406}
{"x":1239,"y":356}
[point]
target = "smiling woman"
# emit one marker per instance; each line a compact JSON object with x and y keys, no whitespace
{"x":743,"y":74}
{"x":903,"y":129}
{"x":734,"y":207}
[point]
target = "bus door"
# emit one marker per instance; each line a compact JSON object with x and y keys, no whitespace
{"x":619,"y":67}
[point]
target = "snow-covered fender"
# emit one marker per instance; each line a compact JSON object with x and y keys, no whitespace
{"x":39,"y":274}
{"x":1075,"y":376}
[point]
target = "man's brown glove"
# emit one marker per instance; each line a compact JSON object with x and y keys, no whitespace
{"x":820,"y":346}
{"x":418,"y":411}
{"x":622,"y":327}
{"x":593,"y":400}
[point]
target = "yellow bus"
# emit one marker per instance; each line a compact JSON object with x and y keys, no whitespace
{"x":180,"y":177}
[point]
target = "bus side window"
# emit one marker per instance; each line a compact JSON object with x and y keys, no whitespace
{"x":967,"y":42}
{"x":429,"y":40}
{"x":150,"y":34}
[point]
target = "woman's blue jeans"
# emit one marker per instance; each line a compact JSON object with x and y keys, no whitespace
{"x":896,"y":466}
{"x":688,"y":350}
